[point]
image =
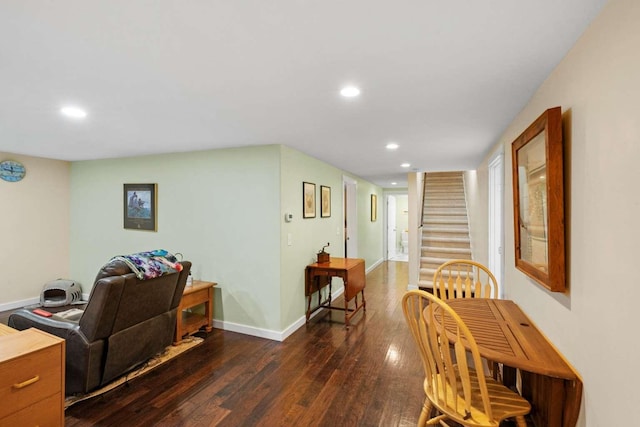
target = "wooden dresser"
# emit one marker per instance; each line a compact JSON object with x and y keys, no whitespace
{"x":31,"y":378}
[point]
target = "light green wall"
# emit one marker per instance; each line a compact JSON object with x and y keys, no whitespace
{"x":224,"y":210}
{"x":370,"y":233}
{"x":220,"y":208}
{"x":308,"y":235}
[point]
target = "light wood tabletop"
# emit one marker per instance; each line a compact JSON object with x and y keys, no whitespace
{"x":6,"y":330}
{"x":505,"y":334}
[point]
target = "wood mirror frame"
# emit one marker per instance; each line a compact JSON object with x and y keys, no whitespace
{"x":538,"y":201}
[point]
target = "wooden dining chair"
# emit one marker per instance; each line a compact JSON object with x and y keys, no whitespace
{"x":456,"y":391}
{"x":463,"y":278}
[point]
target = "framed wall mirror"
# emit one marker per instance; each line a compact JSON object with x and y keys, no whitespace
{"x":538,"y":201}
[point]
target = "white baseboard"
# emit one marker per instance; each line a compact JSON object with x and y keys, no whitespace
{"x":29,"y":301}
{"x":19,"y":304}
{"x":375,"y":264}
{"x":269,"y":334}
{"x":248,"y":330}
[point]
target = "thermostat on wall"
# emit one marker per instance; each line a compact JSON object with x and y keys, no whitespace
{"x":288,"y":217}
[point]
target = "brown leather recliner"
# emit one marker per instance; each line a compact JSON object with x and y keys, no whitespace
{"x":126,"y":322}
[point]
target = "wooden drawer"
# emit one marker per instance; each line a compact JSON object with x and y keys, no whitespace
{"x":29,"y":378}
{"x":198,"y":297}
{"x":45,"y":413}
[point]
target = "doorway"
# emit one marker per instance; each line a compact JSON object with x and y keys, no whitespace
{"x":397,"y":217}
{"x":350,"y":217}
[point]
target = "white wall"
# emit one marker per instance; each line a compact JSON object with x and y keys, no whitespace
{"x":34,"y":229}
{"x":370,"y":233}
{"x":476,"y":193}
{"x":414,"y":189}
{"x":402,"y":217}
{"x":595,"y":323}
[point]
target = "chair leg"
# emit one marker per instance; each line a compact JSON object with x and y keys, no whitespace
{"x":426,"y":412}
{"x":521,"y":421}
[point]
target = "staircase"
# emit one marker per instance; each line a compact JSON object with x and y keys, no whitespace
{"x":445,"y":231}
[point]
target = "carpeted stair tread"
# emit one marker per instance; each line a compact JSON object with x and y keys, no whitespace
{"x":445,"y":239}
{"x":464,"y":230}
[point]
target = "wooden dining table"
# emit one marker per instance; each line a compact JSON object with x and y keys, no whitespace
{"x":505,"y":334}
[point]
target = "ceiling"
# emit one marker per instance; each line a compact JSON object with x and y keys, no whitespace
{"x":441,"y":78}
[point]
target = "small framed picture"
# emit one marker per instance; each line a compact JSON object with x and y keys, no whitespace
{"x":374,"y":207}
{"x":140,"y":211}
{"x":308,"y":200}
{"x":325,"y":201}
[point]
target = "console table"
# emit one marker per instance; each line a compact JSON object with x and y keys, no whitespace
{"x":350,"y":270}
{"x":31,"y":378}
{"x":188,"y":321}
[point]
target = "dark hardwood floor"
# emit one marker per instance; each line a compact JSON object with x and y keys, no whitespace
{"x":322,"y":375}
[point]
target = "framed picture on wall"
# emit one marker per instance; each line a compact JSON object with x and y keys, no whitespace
{"x":374,"y":207}
{"x":308,"y":200}
{"x":140,"y":212}
{"x":325,"y":201}
{"x":538,"y":201}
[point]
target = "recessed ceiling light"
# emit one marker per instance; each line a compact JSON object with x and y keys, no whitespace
{"x":73,"y":112}
{"x":405,"y":165}
{"x":394,"y":183}
{"x":392,"y":146}
{"x":350,"y":91}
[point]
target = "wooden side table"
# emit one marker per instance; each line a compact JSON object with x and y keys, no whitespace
{"x":188,"y":322}
{"x":351,"y":270}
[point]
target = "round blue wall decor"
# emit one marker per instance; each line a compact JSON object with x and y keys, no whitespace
{"x":12,"y":171}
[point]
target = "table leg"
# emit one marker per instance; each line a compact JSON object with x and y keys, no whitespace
{"x":208,"y":311}
{"x":509,"y":377}
{"x":313,"y":285}
{"x":346,"y":312}
{"x":178,"y":333}
{"x":547,"y":397}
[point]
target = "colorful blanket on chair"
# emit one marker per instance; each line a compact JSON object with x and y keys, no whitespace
{"x":151,"y":264}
